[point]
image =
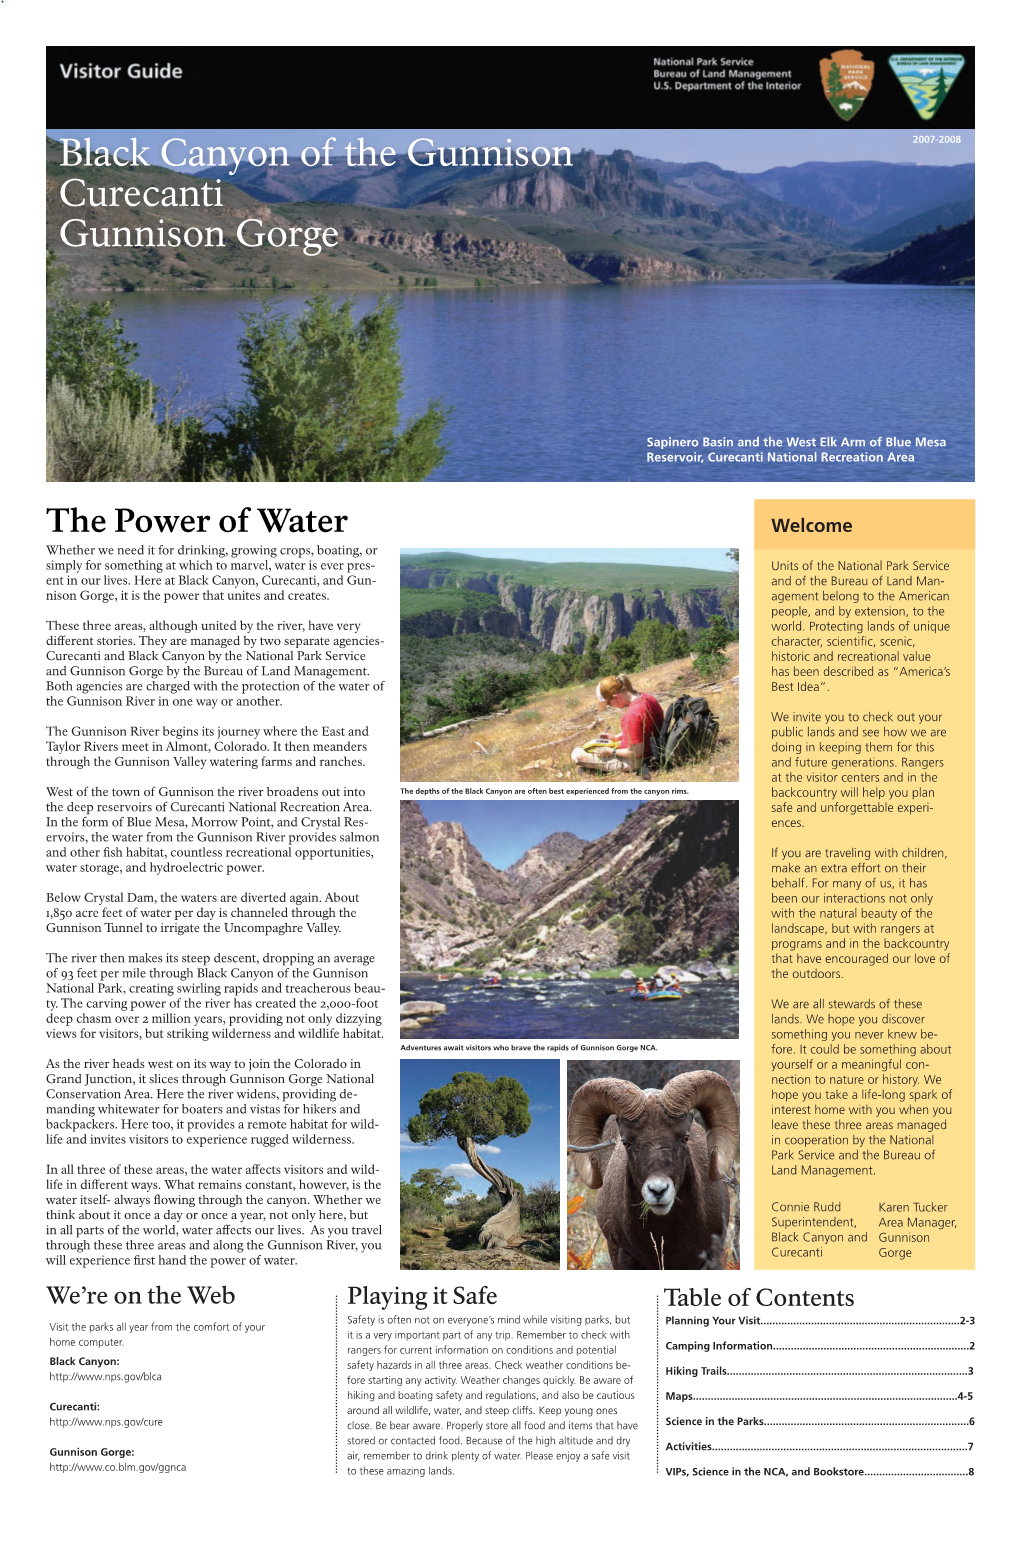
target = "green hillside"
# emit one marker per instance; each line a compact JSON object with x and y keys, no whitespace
{"x":453,"y":569}
{"x":945,"y":257}
{"x":452,"y":601}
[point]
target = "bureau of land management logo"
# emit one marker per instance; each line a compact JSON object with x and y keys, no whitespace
{"x":927,"y":78}
{"x":846,"y":81}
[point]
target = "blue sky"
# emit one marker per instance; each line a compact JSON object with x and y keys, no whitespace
{"x":504,"y":831}
{"x":713,"y":558}
{"x":734,"y":149}
{"x":530,"y":1158}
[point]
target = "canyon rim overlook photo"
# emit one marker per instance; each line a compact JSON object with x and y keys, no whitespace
{"x":569,"y":919}
{"x":628,"y":299}
{"x":502,"y":654}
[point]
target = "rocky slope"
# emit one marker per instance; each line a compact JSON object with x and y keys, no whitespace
{"x":612,"y":268}
{"x":423,"y":241}
{"x":619,"y":218}
{"x":730,"y":203}
{"x":674,"y":864}
{"x":544,"y":862}
{"x":644,"y":193}
{"x":667,"y":875}
{"x":452,"y":901}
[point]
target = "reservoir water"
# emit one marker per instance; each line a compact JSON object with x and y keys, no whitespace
{"x":567,"y":384}
{"x":577,"y":1008}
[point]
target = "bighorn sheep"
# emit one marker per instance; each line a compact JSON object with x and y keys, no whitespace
{"x":662,"y":1193}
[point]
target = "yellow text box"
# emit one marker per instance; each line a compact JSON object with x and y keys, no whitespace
{"x":864,"y":993}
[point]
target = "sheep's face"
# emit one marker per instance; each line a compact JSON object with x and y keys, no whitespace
{"x":656,"y":1149}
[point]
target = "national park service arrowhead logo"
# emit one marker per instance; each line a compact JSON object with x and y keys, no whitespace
{"x":846,"y":81}
{"x":927,"y":78}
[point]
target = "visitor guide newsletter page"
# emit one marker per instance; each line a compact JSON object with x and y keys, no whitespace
{"x":413,"y":1105}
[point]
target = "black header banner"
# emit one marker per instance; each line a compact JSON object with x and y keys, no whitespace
{"x":828,"y":86}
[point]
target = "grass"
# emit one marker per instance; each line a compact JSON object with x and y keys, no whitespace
{"x":533,"y":744}
{"x":453,"y":601}
{"x":448,"y":1242}
{"x":602,"y":578}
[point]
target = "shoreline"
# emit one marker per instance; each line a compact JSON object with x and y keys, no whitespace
{"x":490,"y":288}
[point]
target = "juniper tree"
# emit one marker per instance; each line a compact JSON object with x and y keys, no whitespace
{"x":472,"y":1108}
{"x":323,"y":398}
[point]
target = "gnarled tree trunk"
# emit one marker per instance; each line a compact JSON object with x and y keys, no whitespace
{"x":499,"y":1230}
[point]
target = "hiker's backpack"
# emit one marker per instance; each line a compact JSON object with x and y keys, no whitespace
{"x":689,"y":727}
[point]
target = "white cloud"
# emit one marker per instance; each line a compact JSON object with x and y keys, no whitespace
{"x":461,"y":1166}
{"x":541,"y":1107}
{"x":490,"y":1150}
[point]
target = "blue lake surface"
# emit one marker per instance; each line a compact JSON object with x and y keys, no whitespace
{"x":566,"y":384}
{"x":587,"y":1009}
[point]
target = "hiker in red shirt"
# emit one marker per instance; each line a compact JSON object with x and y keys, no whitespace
{"x":642,"y":717}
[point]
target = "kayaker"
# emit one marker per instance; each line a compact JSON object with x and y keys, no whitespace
{"x":642,"y":717}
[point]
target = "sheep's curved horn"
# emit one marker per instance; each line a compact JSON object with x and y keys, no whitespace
{"x":712,"y":1096}
{"x":591,"y":1105}
{"x":604,"y":1145}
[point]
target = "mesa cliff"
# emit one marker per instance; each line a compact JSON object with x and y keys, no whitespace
{"x":558,"y":618}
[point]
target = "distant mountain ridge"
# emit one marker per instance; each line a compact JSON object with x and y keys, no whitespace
{"x":825,"y":199}
{"x":865,"y":195}
{"x":944,"y":214}
{"x":596,"y":184}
